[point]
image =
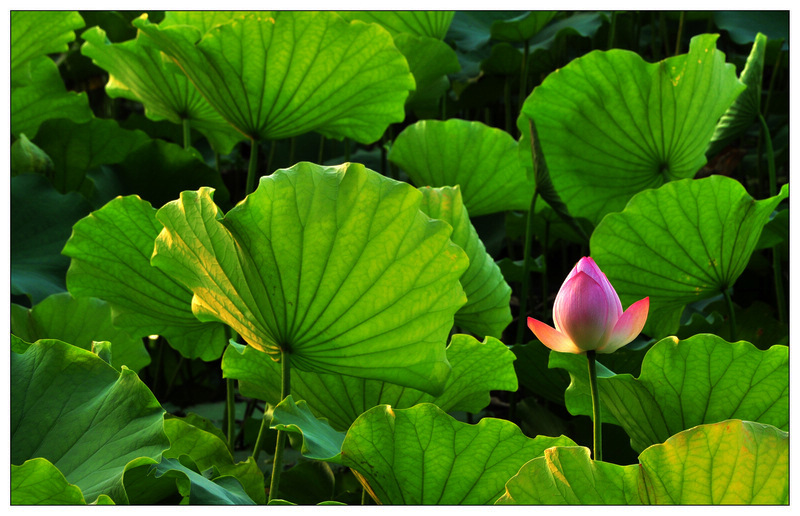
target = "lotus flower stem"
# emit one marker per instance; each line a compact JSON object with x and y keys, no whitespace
{"x":597,"y":442}
{"x":526,"y":270}
{"x":277,"y":463}
{"x":731,"y":316}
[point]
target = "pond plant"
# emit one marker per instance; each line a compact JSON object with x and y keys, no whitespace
{"x":311,"y":258}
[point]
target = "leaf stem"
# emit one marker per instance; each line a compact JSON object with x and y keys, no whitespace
{"x":612,"y":30}
{"x":252,"y":167}
{"x":598,"y":430}
{"x":187,"y":134}
{"x":777,"y":271}
{"x":277,"y":463}
{"x":230,"y":412}
{"x":731,"y":315}
{"x":680,"y":33}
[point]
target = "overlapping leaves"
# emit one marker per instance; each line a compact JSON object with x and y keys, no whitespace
{"x":477,"y":369}
{"x":613,"y":124}
{"x":301,"y":72}
{"x":702,"y":379}
{"x":110,"y":251}
{"x":88,"y":420}
{"x":480,"y":159}
{"x":732,"y":462}
{"x":333,"y":265}
{"x":685,"y":241}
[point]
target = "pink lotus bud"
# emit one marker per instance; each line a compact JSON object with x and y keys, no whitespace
{"x":588,"y":314}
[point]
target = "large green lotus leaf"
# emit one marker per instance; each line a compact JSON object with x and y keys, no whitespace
{"x":430,"y":60}
{"x":87,"y":419}
{"x":208,"y":451}
{"x":301,"y":72}
{"x":110,"y":251}
{"x":477,"y":369}
{"x":685,"y":241}
{"x":747,"y":106}
{"x":336,"y":266}
{"x":45,"y":97}
{"x":730,"y":462}
{"x":421,"y":455}
{"x":79,"y":322}
{"x":699,"y":380}
{"x":38,"y":482}
{"x":38,"y":33}
{"x":77,"y":148}
{"x":613,"y":125}
{"x":522,"y":27}
{"x":433,"y":24}
{"x":320,"y":440}
{"x":482,"y":160}
{"x":139,"y":72}
{"x":566,"y":475}
{"x":41,"y":221}
{"x":487,"y":312}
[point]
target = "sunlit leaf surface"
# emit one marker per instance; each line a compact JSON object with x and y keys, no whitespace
{"x":487,"y":311}
{"x":421,"y":455}
{"x":78,"y":321}
{"x":139,"y":72}
{"x":301,"y":72}
{"x":702,"y":379}
{"x":612,"y":124}
{"x":477,"y":369}
{"x":480,"y":159}
{"x":38,"y":33}
{"x":110,"y":252}
{"x":336,"y":266}
{"x":732,"y":462}
{"x":685,"y":241}
{"x":38,"y":482}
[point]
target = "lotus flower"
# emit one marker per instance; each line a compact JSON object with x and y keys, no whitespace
{"x":588,"y":314}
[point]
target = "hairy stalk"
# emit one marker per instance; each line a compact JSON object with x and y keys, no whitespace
{"x":680,"y":33}
{"x":277,"y":463}
{"x":773,"y":190}
{"x":187,"y":134}
{"x":252,"y":167}
{"x":731,"y":315}
{"x":597,"y":442}
{"x":526,"y":271}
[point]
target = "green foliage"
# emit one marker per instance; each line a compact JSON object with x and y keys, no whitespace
{"x":353,"y":84}
{"x":700,"y":380}
{"x":145,"y":300}
{"x":686,"y":241}
{"x":406,"y":455}
{"x":130,"y":172}
{"x":641,"y":124}
{"x":480,"y":160}
{"x":88,"y":420}
{"x":741,"y":463}
{"x":321,"y":299}
{"x":79,"y":321}
{"x":477,"y":369}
